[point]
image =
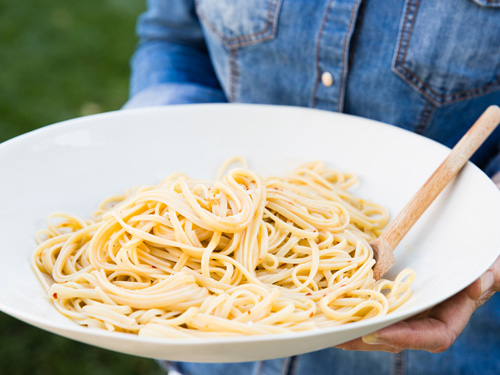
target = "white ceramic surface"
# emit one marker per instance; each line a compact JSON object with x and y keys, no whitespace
{"x":71,"y":166}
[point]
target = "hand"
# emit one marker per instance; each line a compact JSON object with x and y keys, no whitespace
{"x":436,"y":329}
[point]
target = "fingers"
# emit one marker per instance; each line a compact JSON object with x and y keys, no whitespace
{"x":360,"y":345}
{"x":495,"y":272}
{"x":428,"y":334}
{"x":434,"y":333}
{"x":436,"y":329}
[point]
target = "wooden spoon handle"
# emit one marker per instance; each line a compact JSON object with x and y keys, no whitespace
{"x":459,"y":155}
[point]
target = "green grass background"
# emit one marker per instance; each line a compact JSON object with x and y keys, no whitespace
{"x":62,"y":59}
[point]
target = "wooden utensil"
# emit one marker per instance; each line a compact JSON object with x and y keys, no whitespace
{"x":384,"y":245}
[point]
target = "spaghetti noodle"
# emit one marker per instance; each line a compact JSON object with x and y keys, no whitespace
{"x":242,"y":255}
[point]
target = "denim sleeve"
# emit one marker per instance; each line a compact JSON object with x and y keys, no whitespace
{"x":171,"y":64}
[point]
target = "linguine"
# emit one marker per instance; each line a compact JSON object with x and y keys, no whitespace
{"x":243,"y":255}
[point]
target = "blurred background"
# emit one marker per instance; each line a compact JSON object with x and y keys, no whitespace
{"x":60,"y":60}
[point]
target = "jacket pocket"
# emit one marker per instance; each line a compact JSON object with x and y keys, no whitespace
{"x":449,"y":50}
{"x":238,"y":23}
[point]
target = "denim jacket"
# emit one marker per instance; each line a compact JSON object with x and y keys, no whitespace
{"x":428,"y":66}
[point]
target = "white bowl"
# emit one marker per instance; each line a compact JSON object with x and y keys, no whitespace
{"x":73,"y":165}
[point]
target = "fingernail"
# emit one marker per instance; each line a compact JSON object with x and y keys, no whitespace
{"x":487,"y":281}
{"x":372,"y":338}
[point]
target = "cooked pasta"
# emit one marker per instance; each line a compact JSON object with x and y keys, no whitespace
{"x":242,"y":255}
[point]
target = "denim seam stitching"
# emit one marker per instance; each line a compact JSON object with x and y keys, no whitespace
{"x":252,"y":38}
{"x":343,"y":77}
{"x":422,"y":116}
{"x":355,"y":35}
{"x":318,"y":41}
{"x":284,"y":368}
{"x":404,"y":32}
{"x":401,"y":39}
{"x":411,"y":12}
{"x":233,"y":74}
{"x":425,"y":118}
{"x":398,"y":364}
{"x":450,"y":98}
{"x":414,"y":81}
{"x":294,"y":366}
{"x":259,"y":368}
